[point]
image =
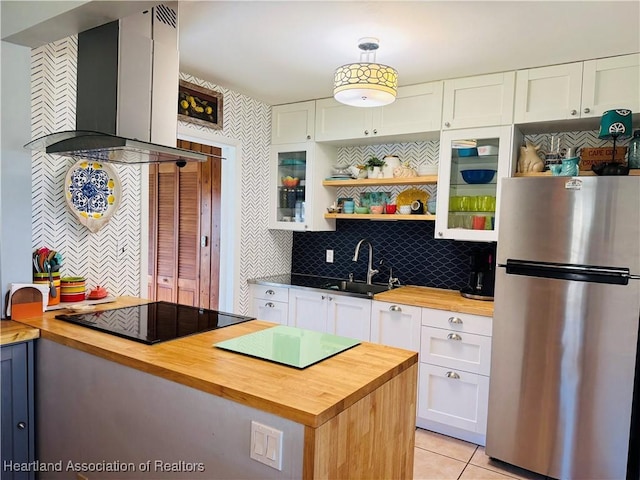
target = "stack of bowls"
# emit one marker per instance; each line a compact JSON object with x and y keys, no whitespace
{"x":72,"y":289}
{"x":43,"y":279}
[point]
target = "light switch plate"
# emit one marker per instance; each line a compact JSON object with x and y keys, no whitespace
{"x":266,"y":445}
{"x":329,"y":256}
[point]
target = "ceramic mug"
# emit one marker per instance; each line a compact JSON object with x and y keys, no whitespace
{"x":348,"y":206}
{"x":556,"y":169}
{"x":405,"y":209}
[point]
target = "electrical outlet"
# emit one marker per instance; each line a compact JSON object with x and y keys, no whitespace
{"x":266,"y":445}
{"x":329,"y":256}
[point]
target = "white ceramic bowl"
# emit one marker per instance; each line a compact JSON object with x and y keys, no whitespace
{"x":487,"y":150}
{"x":404,"y":209}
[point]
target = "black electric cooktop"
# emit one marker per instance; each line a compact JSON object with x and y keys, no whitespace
{"x":155,"y":322}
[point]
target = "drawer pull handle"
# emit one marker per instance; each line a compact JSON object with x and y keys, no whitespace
{"x":455,"y":320}
{"x":453,"y":375}
{"x":21,"y":425}
{"x":395,"y":308}
{"x":270,"y":292}
{"x":269,"y":304}
{"x":454,"y":336}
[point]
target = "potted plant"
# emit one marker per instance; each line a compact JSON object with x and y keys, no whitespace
{"x":374,"y":165}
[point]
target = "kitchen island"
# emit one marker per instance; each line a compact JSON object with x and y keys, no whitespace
{"x":183,"y":408}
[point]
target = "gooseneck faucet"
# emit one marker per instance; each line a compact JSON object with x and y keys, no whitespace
{"x":370,"y":271}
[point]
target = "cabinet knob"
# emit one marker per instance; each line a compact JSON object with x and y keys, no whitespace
{"x":375,"y":131}
{"x":440,"y":234}
{"x":453,"y":375}
{"x":454,"y":336}
{"x":587,"y":110}
{"x":395,"y":308}
{"x":330,"y":299}
{"x":366,"y":132}
{"x":269,"y":304}
{"x":308,"y":137}
{"x":21,"y":425}
{"x":447,"y":124}
{"x":574,"y":112}
{"x":323,"y":297}
{"x":270,"y":292}
{"x":455,"y":320}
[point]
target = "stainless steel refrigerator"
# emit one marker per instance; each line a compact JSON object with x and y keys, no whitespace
{"x":565,"y":334}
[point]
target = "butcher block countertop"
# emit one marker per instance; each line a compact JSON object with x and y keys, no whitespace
{"x":437,"y":298}
{"x":310,"y":396}
{"x":14,"y":332}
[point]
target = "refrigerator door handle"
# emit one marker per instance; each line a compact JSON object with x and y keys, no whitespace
{"x":580,"y":273}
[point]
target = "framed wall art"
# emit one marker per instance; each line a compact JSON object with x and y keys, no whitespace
{"x":199,"y":105}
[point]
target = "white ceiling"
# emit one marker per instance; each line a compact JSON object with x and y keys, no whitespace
{"x":287,"y":51}
{"x":281,"y":52}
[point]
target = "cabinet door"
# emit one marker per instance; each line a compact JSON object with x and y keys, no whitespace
{"x":462,"y":206}
{"x":349,"y":316}
{"x":395,"y":325}
{"x":478,"y":101}
{"x":297,"y":200}
{"x":453,"y":397}
{"x":308,"y":309}
{"x":610,"y":83}
{"x":336,"y":121}
{"x":418,"y":108}
{"x":462,"y":351}
{"x":293,"y":123}
{"x":17,"y":408}
{"x":548,"y":93}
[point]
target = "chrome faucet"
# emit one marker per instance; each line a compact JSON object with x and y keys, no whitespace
{"x":370,"y":271}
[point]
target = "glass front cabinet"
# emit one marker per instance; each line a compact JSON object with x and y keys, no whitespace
{"x":297,"y":199}
{"x":472,"y":162}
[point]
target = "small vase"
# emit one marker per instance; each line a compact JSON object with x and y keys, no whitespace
{"x":373,"y":172}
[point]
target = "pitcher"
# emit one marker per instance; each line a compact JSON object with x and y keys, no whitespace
{"x":570,"y":167}
{"x":391,"y":162}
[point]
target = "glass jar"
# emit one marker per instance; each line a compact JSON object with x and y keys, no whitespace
{"x":634,"y":151}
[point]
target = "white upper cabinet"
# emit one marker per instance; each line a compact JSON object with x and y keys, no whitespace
{"x":416,"y":110}
{"x":577,"y":90}
{"x":293,"y":123}
{"x":610,"y":83}
{"x":485,"y":100}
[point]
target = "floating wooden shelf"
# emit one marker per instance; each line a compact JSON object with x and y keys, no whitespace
{"x":581,"y":173}
{"x":380,"y":216}
{"x":370,"y":182}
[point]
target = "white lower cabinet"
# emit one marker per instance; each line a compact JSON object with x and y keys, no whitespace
{"x":395,"y":325}
{"x":269,"y":303}
{"x":453,"y":384}
{"x":335,"y":314}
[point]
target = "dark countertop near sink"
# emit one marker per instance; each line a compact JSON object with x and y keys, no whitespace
{"x":309,"y":281}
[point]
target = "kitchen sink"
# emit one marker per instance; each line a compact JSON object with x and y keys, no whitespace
{"x":358,"y":288}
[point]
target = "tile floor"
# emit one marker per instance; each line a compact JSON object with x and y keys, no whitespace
{"x":438,"y":457}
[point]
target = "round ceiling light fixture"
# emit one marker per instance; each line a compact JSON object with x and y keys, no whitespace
{"x":366,"y":83}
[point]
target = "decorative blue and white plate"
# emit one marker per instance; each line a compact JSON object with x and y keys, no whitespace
{"x":93,"y":192}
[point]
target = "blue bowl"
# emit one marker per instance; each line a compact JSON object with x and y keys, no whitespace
{"x":468,"y":152}
{"x":477,"y":175}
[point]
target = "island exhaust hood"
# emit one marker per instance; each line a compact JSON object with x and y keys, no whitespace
{"x":127,"y":94}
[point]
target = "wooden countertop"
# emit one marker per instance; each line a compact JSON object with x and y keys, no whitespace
{"x":310,"y":396}
{"x":438,"y":298}
{"x":14,"y":332}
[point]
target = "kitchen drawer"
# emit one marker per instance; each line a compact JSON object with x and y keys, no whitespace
{"x":459,"y":350}
{"x":269,"y":292}
{"x":458,"y":322}
{"x":452,"y":397}
{"x":270,"y":311}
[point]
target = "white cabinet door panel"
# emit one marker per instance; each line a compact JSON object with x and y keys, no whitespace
{"x":349,"y":317}
{"x":336,"y":121}
{"x":454,"y":398}
{"x":462,"y":351}
{"x":548,"y":93}
{"x":293,"y":123}
{"x":395,"y":325}
{"x":307,"y":309}
{"x":610,"y":83}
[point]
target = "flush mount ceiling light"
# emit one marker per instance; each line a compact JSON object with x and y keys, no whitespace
{"x":366,"y":84}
